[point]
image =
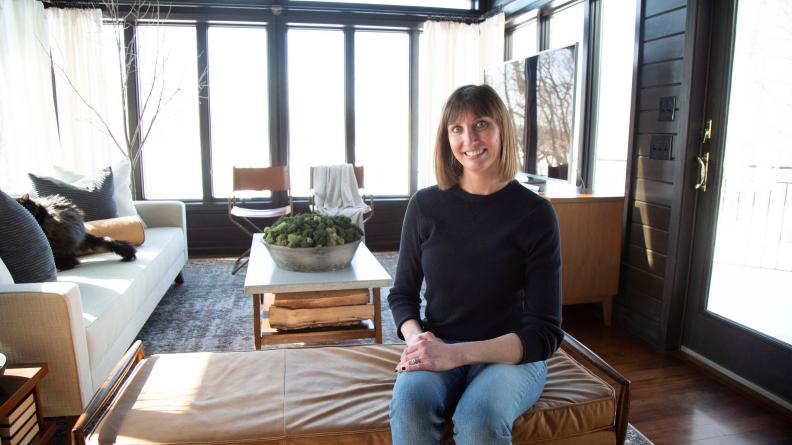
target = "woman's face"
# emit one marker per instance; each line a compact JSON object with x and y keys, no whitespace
{"x":476,"y":143}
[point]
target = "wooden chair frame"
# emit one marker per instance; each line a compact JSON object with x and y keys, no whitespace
{"x":272,"y":179}
{"x":360,"y":177}
{"x":580,"y":352}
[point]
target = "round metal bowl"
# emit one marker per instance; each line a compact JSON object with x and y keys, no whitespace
{"x":313,"y":259}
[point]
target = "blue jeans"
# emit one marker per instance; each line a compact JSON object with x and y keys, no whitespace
{"x":484,"y":399}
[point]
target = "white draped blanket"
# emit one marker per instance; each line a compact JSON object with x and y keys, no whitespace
{"x":336,"y":192}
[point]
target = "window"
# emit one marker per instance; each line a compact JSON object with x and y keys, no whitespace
{"x":450,"y":4}
{"x":566,"y":26}
{"x":317,"y":130}
{"x":382,"y":110}
{"x":171,"y":159}
{"x":239,"y":102}
{"x":524,"y":38}
{"x":614,"y":91}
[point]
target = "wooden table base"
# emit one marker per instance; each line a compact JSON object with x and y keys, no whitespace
{"x":264,"y":334}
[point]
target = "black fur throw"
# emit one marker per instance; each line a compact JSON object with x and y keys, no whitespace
{"x":63,"y":224}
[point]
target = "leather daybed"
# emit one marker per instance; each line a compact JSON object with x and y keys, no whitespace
{"x":322,"y":395}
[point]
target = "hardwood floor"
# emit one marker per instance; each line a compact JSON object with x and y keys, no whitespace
{"x":672,"y":401}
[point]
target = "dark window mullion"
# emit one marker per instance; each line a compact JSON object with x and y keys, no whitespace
{"x":349,"y":89}
{"x":591,"y":60}
{"x":543,"y":29}
{"x":278,"y":92}
{"x":204,"y":113}
{"x":278,"y":82}
{"x":133,"y":117}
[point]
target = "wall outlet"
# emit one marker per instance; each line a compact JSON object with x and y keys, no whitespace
{"x":660,"y":147}
{"x":667,"y":108}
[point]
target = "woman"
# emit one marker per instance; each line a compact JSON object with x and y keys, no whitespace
{"x":490,"y":253}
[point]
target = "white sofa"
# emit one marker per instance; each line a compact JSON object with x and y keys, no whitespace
{"x":82,"y":324}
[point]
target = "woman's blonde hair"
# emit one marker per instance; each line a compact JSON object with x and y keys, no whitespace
{"x":481,"y":101}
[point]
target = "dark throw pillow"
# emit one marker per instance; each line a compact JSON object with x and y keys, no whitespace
{"x":23,"y":246}
{"x":94,"y":196}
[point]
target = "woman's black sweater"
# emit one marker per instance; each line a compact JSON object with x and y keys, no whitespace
{"x":492,"y":265}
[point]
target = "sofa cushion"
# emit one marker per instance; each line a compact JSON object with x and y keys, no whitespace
{"x":123,"y":228}
{"x":23,"y":246}
{"x":122,"y":192}
{"x":94,"y":196}
{"x":112,"y":291}
{"x":319,"y":395}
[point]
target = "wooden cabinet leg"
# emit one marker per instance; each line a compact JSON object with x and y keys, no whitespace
{"x":375,"y":295}
{"x":607,"y":310}
{"x":257,"y":320}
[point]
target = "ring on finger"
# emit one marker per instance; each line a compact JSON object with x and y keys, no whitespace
{"x":414,"y":361}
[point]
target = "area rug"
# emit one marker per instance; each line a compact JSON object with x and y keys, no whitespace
{"x":210,"y":312}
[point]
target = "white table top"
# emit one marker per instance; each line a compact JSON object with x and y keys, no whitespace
{"x":263,"y":276}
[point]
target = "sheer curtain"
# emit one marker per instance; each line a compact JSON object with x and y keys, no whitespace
{"x":28,"y":127}
{"x":451,"y":55}
{"x":33,"y":137}
{"x":87,"y":97}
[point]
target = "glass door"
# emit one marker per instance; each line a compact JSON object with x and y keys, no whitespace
{"x":739,"y":309}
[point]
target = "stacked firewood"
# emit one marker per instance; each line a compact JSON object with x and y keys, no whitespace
{"x":299,"y":310}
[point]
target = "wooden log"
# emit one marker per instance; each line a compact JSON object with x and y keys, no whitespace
{"x":286,"y":318}
{"x":318,"y":299}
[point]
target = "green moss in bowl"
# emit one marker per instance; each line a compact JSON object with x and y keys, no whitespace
{"x":312,"y":230}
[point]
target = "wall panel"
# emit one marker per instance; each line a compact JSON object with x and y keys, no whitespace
{"x":662,"y":70}
{"x":649,"y":238}
{"x":666,"y":48}
{"x":663,"y":73}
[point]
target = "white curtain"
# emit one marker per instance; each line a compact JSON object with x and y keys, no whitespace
{"x":451,"y":55}
{"x":88,"y":96}
{"x":32,"y":137}
{"x":28,"y":129}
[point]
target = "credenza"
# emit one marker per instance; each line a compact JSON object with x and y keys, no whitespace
{"x":591,"y":235}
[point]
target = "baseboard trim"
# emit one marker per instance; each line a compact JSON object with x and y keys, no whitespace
{"x":737,"y":382}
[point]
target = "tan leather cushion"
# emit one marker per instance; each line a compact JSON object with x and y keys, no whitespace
{"x":124,"y":228}
{"x":323,"y":395}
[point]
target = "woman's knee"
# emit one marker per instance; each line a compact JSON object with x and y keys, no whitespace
{"x":486,"y":420}
{"x":417,"y":392}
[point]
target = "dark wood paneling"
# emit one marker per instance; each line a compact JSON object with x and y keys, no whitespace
{"x":663,"y":73}
{"x":648,"y":329}
{"x":654,"y":169}
{"x":648,"y":123}
{"x":641,"y":281}
{"x":648,"y":260}
{"x":665,"y":24}
{"x":653,"y":192}
{"x":210,"y":232}
{"x":649,"y":98}
{"x":648,"y":237}
{"x":654,"y":7}
{"x":641,"y":304}
{"x":651,"y":215}
{"x":667,"y":48}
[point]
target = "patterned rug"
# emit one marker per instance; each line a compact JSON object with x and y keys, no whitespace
{"x":209,"y":312}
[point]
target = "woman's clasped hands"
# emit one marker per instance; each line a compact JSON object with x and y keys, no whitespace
{"x":426,"y":352}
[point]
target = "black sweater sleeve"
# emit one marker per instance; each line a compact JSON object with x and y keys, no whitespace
{"x":404,"y":297}
{"x":541,"y":332}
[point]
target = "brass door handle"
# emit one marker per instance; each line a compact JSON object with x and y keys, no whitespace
{"x":703,"y":162}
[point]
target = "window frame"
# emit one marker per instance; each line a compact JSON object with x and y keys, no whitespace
{"x":589,"y":58}
{"x":277,"y":26}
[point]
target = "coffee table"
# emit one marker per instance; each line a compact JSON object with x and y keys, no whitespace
{"x":263,"y":277}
